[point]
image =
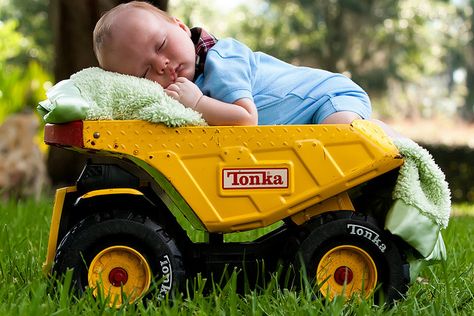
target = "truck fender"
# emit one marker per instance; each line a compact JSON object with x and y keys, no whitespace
{"x":118,"y":193}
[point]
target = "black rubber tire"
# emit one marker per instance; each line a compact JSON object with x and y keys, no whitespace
{"x":97,"y":232}
{"x":337,"y":228}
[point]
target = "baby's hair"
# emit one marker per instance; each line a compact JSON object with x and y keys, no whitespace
{"x":102,"y":29}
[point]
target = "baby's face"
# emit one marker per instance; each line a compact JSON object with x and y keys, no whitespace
{"x":148,"y":46}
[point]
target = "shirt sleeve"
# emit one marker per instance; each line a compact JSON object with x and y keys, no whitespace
{"x":228,"y":72}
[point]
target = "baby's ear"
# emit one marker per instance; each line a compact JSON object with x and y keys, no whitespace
{"x":183,"y":26}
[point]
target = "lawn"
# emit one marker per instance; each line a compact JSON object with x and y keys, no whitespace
{"x":442,"y":289}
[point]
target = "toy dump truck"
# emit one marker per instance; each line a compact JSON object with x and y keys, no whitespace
{"x":131,"y":217}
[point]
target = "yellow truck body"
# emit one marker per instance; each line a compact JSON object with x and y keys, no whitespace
{"x":240,"y":178}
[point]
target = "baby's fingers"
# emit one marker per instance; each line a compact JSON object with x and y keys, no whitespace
{"x":173,"y":87}
{"x":181,"y":79}
{"x":172,"y":93}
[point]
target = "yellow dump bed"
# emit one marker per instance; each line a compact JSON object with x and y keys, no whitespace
{"x":239,"y":178}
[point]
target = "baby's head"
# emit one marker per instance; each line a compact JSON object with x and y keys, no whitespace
{"x":138,"y":39}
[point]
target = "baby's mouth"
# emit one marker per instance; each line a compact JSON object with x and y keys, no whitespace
{"x":173,"y":72}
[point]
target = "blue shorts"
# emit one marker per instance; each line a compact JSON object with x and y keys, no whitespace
{"x":330,"y":105}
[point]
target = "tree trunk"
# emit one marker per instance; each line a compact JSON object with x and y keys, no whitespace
{"x":467,"y":111}
{"x":73,"y":23}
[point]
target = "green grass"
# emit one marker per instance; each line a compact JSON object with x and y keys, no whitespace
{"x":443,"y":289}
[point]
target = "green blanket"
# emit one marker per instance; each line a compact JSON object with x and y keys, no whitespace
{"x":422,"y":204}
{"x":421,"y":183}
{"x":95,"y":94}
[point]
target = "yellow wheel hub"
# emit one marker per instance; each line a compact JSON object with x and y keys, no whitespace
{"x":346,"y":270}
{"x":120,"y":273}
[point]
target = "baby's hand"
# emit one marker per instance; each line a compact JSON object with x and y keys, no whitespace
{"x":184,"y":91}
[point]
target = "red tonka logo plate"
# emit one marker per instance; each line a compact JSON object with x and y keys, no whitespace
{"x":253,"y":178}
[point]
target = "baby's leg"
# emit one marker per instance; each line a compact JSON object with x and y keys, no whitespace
{"x":346,"y":117}
{"x":342,"y":117}
{"x":388,"y":130}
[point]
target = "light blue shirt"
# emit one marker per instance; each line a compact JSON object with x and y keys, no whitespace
{"x":283,"y":93}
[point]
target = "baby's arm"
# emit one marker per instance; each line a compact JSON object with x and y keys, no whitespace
{"x":215,"y":112}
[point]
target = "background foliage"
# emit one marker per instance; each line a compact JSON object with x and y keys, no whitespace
{"x":456,"y":163}
{"x":25,"y":54}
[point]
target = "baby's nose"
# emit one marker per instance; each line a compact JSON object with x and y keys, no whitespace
{"x":161,"y":64}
